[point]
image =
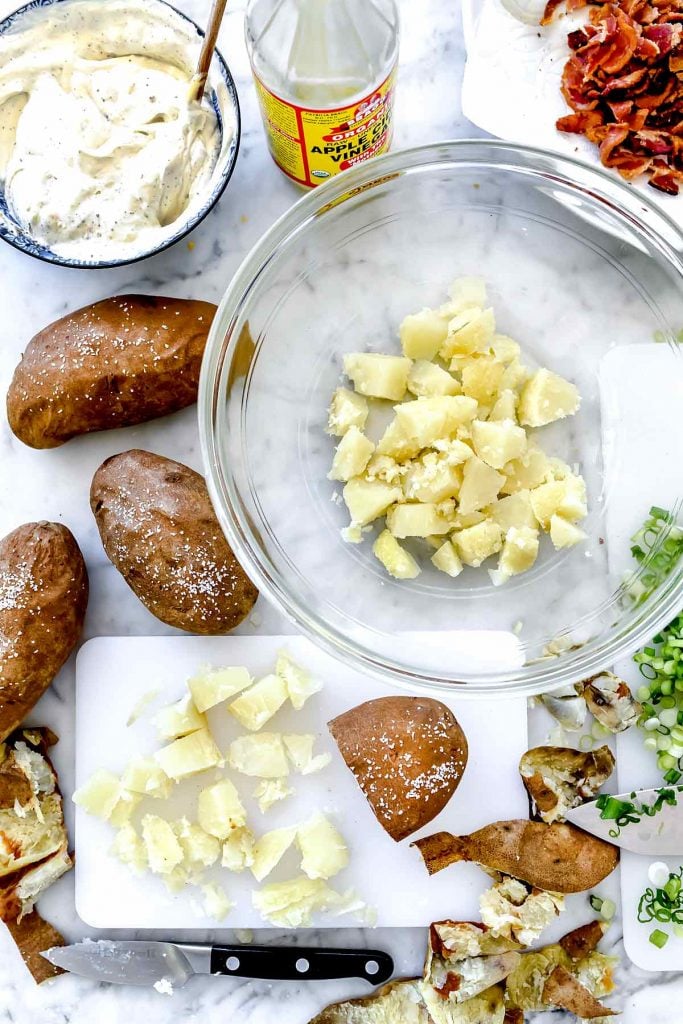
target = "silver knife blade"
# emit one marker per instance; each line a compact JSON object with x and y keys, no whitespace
{"x":162,"y":964}
{"x":659,"y":835}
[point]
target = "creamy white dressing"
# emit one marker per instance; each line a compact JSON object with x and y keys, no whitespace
{"x":101,"y":154}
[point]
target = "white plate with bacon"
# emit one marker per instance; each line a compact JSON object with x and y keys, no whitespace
{"x":622,"y":84}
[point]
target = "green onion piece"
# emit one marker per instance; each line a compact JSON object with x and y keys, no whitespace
{"x":659,"y":938}
{"x":672,"y":776}
{"x":608,"y":909}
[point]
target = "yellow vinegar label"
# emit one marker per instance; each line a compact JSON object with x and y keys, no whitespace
{"x":311,"y":145}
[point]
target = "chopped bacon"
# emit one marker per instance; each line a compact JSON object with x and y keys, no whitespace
{"x":623,"y":81}
{"x":578,"y":123}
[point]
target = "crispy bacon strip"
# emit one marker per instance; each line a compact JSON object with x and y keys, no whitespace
{"x":623,"y":81}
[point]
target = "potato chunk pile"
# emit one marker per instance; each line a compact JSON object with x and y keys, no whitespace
{"x":459,"y":464}
{"x":181,"y":851}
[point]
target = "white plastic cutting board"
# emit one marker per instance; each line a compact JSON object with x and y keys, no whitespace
{"x":638,"y":376}
{"x":113,"y":673}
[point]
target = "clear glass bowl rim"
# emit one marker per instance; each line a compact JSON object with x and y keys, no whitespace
{"x":594,"y":185}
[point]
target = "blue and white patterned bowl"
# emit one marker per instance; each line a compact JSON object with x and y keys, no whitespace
{"x":18,"y":236}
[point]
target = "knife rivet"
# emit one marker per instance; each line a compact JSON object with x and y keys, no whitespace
{"x":371,"y":967}
{"x":232,"y":963}
{"x":302,"y":965}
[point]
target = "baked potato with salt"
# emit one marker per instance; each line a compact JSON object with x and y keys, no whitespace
{"x":159,"y":529}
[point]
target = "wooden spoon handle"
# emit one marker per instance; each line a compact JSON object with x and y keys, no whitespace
{"x":204,"y":63}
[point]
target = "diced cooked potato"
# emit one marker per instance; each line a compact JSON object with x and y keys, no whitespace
{"x":300,"y":685}
{"x":352,"y":455}
{"x":212,"y":686}
{"x":514,"y":510}
{"x":398,"y":562}
{"x":163,"y":850}
{"x":271,"y":791}
{"x":432,"y":478}
{"x":515,"y":376}
{"x":530,"y":470}
{"x":177,"y":879}
{"x":395,"y":443}
{"x":547,"y":397}
{"x":383,"y":467}
{"x":481,"y":377}
{"x":377,"y":375}
{"x":216,"y":903}
{"x":504,"y":348}
{"x":564,"y":534}
{"x":463,"y":522}
{"x":422,"y":334}
{"x":257,"y":705}
{"x":100,"y":794}
{"x":425,"y":420}
{"x":420,"y":520}
{"x":238,"y":850}
{"x":566,"y":498}
{"x":480,"y":486}
{"x":427,"y":379}
{"x":129,"y":849}
{"x":479,"y":542}
{"x":269,"y":851}
{"x":505,"y":406}
{"x":143,"y":775}
{"x":123,"y":811}
{"x":220,"y":810}
{"x":260,"y":754}
{"x":469,"y":331}
{"x":498,"y":442}
{"x":189,"y":755}
{"x":368,"y":499}
{"x":520,"y":550}
{"x":454,"y":451}
{"x":199,"y":848}
{"x":299,"y":747}
{"x":466,"y":292}
{"x":323,"y":851}
{"x":291,"y":904}
{"x":446,"y":559}
{"x":347,"y":409}
{"x":179,"y":719}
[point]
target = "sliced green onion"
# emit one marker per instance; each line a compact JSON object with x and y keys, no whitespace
{"x":596,"y":903}
{"x":659,"y":938}
{"x":608,"y":910}
{"x":586,"y":743}
{"x":672,"y":776}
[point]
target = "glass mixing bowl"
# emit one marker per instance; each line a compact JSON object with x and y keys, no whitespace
{"x":579,"y":266}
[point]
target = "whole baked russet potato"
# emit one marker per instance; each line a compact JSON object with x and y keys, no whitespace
{"x":159,"y":529}
{"x":43,"y":597}
{"x":121,"y":361}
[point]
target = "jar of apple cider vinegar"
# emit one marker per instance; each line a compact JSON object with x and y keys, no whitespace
{"x":325,"y":74}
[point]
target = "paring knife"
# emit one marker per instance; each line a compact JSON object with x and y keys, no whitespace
{"x":621,"y":820}
{"x":168,"y":965}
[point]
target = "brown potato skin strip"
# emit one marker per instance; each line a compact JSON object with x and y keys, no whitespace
{"x":563,"y":990}
{"x":579,"y":943}
{"x":556,"y":858}
{"x":32,"y":936}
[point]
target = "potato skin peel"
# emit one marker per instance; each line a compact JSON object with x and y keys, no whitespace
{"x":556,"y":858}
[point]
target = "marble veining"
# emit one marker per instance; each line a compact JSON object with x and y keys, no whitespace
{"x":54,"y":484}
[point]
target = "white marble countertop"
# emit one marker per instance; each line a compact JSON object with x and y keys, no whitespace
{"x":54,"y":485}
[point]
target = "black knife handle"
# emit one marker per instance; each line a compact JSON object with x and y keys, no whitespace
{"x":300,"y":963}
